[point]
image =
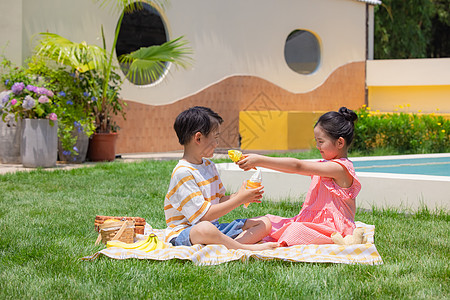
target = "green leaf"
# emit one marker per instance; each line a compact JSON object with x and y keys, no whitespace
{"x":147,"y":63}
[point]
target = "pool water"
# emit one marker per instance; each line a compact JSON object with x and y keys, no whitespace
{"x":436,"y":166}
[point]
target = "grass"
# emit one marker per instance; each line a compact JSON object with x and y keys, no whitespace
{"x":47,"y":225}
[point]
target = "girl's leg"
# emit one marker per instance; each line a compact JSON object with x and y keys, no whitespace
{"x":254,"y":230}
{"x":206,"y":233}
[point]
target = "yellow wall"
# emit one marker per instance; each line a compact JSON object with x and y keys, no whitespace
{"x":423,"y":84}
{"x":277,"y":130}
{"x":426,"y":99}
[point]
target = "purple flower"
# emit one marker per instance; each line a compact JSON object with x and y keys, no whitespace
{"x":18,"y":87}
{"x":62,"y":94}
{"x":31,"y":88}
{"x":66,"y":153}
{"x":4,"y":96}
{"x":13,"y":101}
{"x":41,"y":91}
{"x":53,"y":116}
{"x":75,"y":148}
{"x":43,"y":99}
{"x":94,"y":98}
{"x":6,"y":81}
{"x":28,"y":102}
{"x":85,"y":94}
{"x":69,"y":102}
{"x":50,"y":93}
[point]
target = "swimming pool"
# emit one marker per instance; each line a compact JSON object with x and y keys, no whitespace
{"x":434,"y":165}
{"x":403,"y":181}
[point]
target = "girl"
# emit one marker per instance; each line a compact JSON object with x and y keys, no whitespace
{"x":329,"y":206}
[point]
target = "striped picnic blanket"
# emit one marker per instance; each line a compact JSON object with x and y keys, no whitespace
{"x":217,"y":254}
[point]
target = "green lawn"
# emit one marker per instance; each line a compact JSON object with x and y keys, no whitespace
{"x":47,"y":225}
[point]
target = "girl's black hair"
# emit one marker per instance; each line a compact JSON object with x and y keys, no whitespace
{"x":195,"y":119}
{"x":339,"y":124}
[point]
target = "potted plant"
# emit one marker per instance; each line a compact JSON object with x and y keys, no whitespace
{"x":33,"y":106}
{"x":76,"y":122}
{"x":10,"y":127}
{"x":96,"y":63}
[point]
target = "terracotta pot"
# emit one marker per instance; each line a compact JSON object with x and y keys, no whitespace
{"x":102,"y":147}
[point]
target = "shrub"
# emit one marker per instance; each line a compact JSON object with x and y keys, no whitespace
{"x":401,"y":132}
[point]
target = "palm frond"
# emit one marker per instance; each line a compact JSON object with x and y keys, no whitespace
{"x":80,"y":56}
{"x":148,"y":63}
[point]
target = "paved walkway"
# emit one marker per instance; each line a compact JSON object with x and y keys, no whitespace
{"x":176,"y":155}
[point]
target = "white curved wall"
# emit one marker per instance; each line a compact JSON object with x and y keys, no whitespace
{"x":232,"y":37}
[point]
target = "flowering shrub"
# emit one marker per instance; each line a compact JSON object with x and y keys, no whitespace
{"x":401,"y":132}
{"x":39,"y":91}
{"x":27,"y":102}
{"x":72,"y":99}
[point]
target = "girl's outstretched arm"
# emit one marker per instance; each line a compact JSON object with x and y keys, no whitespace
{"x":297,"y":166}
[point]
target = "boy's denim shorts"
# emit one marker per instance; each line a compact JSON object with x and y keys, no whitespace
{"x":232,"y":230}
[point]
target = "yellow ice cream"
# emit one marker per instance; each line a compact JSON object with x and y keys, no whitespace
{"x":235,"y":155}
{"x":254,"y":182}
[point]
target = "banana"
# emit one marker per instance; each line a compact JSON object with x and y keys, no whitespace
{"x":128,"y":246}
{"x":148,"y":244}
{"x":154,"y":244}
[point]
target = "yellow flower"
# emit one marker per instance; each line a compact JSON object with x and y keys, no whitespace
{"x":368,"y":108}
{"x":443,"y":130}
{"x":439,"y":124}
{"x":401,"y":106}
{"x":364,"y":105}
{"x":408,"y":105}
{"x":419,"y":110}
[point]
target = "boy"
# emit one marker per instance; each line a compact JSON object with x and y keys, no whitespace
{"x":196,"y":196}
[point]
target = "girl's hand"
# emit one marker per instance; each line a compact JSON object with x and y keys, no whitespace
{"x":248,"y":162}
{"x":249,"y":195}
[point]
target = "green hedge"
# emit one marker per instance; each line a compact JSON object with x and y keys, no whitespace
{"x":401,"y":132}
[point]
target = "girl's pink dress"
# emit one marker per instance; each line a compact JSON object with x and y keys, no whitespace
{"x":327,"y":208}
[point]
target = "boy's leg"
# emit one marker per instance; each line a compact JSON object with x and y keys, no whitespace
{"x":206,"y":233}
{"x":254,"y":230}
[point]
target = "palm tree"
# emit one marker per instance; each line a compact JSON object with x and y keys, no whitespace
{"x":144,"y":64}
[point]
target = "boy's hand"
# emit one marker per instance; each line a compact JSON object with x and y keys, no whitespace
{"x":248,"y":161}
{"x":247,"y":195}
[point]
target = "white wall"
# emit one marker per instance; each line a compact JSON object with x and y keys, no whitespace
{"x":11,"y":30}
{"x":232,"y":37}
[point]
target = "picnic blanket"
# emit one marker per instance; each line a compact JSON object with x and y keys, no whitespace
{"x":217,"y":254}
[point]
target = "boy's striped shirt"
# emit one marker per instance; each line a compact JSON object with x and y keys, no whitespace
{"x":192,"y":190}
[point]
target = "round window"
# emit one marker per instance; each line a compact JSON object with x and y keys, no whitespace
{"x":302,"y":52}
{"x":140,"y":28}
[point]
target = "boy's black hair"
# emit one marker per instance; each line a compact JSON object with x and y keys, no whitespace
{"x":195,"y":119}
{"x":339,"y":124}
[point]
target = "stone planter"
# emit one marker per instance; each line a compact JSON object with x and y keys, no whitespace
{"x":39,"y":147}
{"x":82,"y":146}
{"x":10,"y":139}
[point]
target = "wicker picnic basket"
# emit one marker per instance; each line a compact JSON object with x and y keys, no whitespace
{"x":116,"y":230}
{"x":139,"y":223}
